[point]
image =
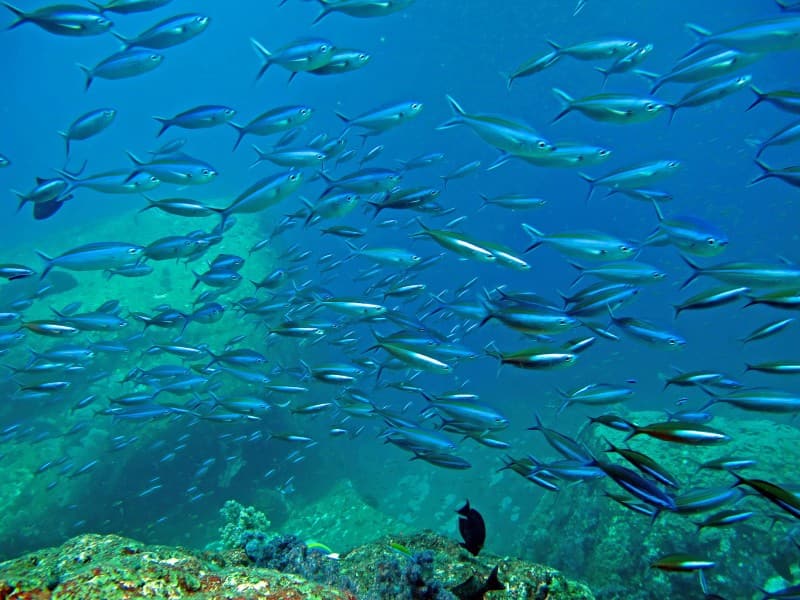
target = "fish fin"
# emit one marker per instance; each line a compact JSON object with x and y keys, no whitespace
{"x":536,"y":236}
{"x":133,"y":157}
{"x":591,"y":181}
{"x":49,"y":263}
{"x":605,"y":73}
{"x":165,"y":124}
{"x":291,"y":77}
{"x":696,"y":271}
{"x":673,"y":108}
{"x":22,"y":17}
{"x":566,"y":100}
{"x":700,"y":32}
{"x":553,"y":45}
{"x":342,"y":117}
{"x":767,"y":172}
{"x":760,"y":97}
{"x":323,"y":13}
{"x":464,"y":510}
{"x":509,"y":78}
{"x":240,"y":129}
{"x":89,"y":76}
{"x":458,"y":114}
{"x":502,"y":159}
{"x":265,"y":56}
{"x":126,"y":42}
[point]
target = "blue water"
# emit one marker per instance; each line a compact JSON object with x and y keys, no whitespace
{"x":422,"y":53}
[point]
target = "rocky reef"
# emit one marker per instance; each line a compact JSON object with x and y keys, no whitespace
{"x":428,"y":566}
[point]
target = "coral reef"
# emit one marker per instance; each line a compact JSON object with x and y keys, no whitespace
{"x":241,"y":523}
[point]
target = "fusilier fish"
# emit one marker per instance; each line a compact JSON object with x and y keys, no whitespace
{"x":63,"y":19}
{"x":167,"y":33}
{"x":198,"y":117}
{"x":128,"y":63}
{"x":88,"y":125}
{"x":621,"y":109}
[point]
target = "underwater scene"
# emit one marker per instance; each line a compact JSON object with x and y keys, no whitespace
{"x":400,"y":299}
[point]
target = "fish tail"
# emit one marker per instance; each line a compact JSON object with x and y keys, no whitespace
{"x":766,"y":172}
{"x":49,"y":263}
{"x":99,"y":6}
{"x":565,"y":404}
{"x":126,"y":43}
{"x":265,"y":56}
{"x":23,"y":199}
{"x":509,"y":79}
{"x":605,"y":74}
{"x":241,"y":131}
{"x":150,"y":203}
{"x":165,"y":124}
{"x":566,"y":100}
{"x":22,"y":17}
{"x":696,"y":271}
{"x":458,"y":114}
{"x":89,"y":76}
{"x":580,"y":272}
{"x":677,"y":308}
{"x":536,"y":236}
{"x":553,"y":45}
{"x":322,"y":14}
{"x":760,"y":97}
{"x":65,"y":135}
{"x":342,"y":117}
{"x":591,"y":181}
{"x":673,"y":108}
{"x":196,"y":283}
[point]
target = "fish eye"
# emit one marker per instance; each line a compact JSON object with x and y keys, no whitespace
{"x":133,"y":251}
{"x":651,"y":106}
{"x":625,"y":249}
{"x":541,"y":144}
{"x":711,"y":241}
{"x":673,"y":164}
{"x":153,"y":179}
{"x":416,"y":258}
{"x":604,"y":152}
{"x":155,"y":57}
{"x":293,"y":177}
{"x":324,"y":48}
{"x":362,"y":57}
{"x":305,"y":111}
{"x":631,"y":44}
{"x":415,"y":106}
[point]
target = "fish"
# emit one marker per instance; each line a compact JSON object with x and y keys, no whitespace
{"x":121,"y":65}
{"x":472,"y":529}
{"x":167,"y":33}
{"x":362,"y":9}
{"x":790,"y":175}
{"x":88,"y":125}
{"x":198,"y":117}
{"x":264,"y":193}
{"x":596,"y":49}
{"x":473,"y":589}
{"x":534,"y":65}
{"x":621,"y":109}
{"x":343,"y":60}
{"x":96,"y":256}
{"x":682,"y":563}
{"x":296,"y":57}
{"x":706,"y":93}
{"x":513,"y":137}
{"x":383,"y":118}
{"x":277,"y":120}
{"x":127,"y":7}
{"x":787,"y":100}
{"x":768,"y":35}
{"x":180,"y":169}
{"x":633,"y":176}
{"x":63,"y":19}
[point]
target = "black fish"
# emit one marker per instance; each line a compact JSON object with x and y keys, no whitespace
{"x":472,"y":529}
{"x":473,"y":589}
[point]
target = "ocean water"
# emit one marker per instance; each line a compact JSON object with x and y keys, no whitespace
{"x":151,"y":489}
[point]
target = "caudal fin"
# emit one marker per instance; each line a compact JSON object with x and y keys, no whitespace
{"x":760,"y":97}
{"x":696,"y":271}
{"x":536,"y":236}
{"x":21,"y":16}
{"x":766,"y":172}
{"x":592,"y":183}
{"x":265,"y":56}
{"x":241,"y":131}
{"x":49,"y":263}
{"x":566,"y":100}
{"x":89,"y":76}
{"x":165,"y":124}
{"x":458,"y":114}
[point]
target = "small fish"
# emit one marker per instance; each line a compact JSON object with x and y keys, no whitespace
{"x":472,"y":529}
{"x":474,"y":589}
{"x":534,"y":65}
{"x":786,"y":100}
{"x":63,"y":19}
{"x":127,"y":7}
{"x":621,"y":109}
{"x":88,"y":125}
{"x":296,"y":57}
{"x":121,"y":65}
{"x":278,"y":120}
{"x":167,"y":33}
{"x":198,"y":117}
{"x":682,"y":563}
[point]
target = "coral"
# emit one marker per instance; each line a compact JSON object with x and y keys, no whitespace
{"x":413,"y":580}
{"x":289,"y":554}
{"x":241,"y":523}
